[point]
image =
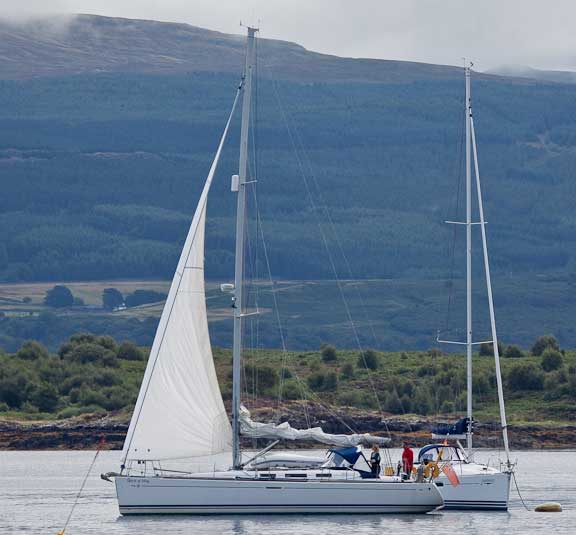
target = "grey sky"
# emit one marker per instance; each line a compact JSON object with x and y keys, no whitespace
{"x":491,"y":32}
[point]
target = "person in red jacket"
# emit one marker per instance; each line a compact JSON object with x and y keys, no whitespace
{"x":407,"y":459}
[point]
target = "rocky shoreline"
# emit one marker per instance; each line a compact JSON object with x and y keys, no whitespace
{"x":88,"y":431}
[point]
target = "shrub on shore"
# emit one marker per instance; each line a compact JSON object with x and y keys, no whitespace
{"x":91,"y":373}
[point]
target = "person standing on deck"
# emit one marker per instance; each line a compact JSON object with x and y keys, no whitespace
{"x":407,"y":459}
{"x":375,"y":461}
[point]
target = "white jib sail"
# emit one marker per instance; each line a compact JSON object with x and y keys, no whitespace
{"x":285,"y":431}
{"x":179,"y":412}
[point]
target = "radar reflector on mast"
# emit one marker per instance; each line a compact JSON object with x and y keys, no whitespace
{"x":227,"y":288}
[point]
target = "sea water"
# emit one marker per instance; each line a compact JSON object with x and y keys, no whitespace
{"x":37,"y":490}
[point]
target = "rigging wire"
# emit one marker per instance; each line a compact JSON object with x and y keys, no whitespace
{"x":285,"y":354}
{"x":251,"y":274}
{"x":292,"y":137}
{"x":458,"y":173}
{"x":251,"y":289}
{"x":452,"y":247}
{"x":305,"y":392}
{"x":332,"y":225}
{"x":255,"y":174}
{"x":328,"y":216}
{"x":260,"y":233}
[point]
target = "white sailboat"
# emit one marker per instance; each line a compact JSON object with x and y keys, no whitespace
{"x":481,"y":486}
{"x":179,"y":417}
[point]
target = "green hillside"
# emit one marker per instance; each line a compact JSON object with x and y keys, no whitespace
{"x":100,"y":176}
{"x":92,"y":374}
{"x":103,"y":154}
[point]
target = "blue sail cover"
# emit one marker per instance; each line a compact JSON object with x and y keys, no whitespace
{"x":348,"y":454}
{"x":459,"y":428}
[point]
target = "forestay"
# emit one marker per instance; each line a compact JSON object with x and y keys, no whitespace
{"x":285,"y":431}
{"x":179,"y":412}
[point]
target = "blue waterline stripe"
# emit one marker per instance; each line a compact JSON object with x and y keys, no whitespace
{"x":270,"y":505}
{"x":475,"y":501}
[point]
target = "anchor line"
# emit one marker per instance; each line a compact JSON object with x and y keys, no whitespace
{"x":518,"y":491}
{"x":100,"y":445}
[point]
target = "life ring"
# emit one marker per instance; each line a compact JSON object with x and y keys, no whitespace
{"x":431,"y":470}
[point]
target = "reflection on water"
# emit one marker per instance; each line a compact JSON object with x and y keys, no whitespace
{"x":278,"y":524}
{"x":37,"y":490}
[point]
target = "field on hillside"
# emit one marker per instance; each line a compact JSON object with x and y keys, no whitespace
{"x":389,"y":314}
{"x":21,"y":298}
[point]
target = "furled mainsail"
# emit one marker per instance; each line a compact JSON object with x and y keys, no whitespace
{"x":179,"y":412}
{"x":285,"y":431}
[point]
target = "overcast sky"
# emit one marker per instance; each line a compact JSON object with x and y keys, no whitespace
{"x":491,"y":32}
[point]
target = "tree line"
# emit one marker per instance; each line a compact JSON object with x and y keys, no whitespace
{"x":96,"y":374}
{"x":61,"y":296}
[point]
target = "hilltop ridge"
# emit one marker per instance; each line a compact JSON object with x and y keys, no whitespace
{"x":81,"y":44}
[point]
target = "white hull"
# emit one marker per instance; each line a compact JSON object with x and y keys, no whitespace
{"x":487,"y":491}
{"x":221,"y":495}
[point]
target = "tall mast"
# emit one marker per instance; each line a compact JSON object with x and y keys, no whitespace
{"x":468,"y":263}
{"x":240,"y":240}
{"x":490,"y":298}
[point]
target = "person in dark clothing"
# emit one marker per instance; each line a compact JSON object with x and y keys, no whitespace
{"x":375,"y":461}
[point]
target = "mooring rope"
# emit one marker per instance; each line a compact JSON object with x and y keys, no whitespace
{"x":518,"y":491}
{"x":101,"y":443}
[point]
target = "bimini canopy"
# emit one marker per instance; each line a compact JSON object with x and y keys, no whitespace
{"x":350,"y":455}
{"x":285,"y":431}
{"x":355,"y":458}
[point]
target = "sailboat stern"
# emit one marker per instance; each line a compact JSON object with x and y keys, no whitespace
{"x":479,"y":491}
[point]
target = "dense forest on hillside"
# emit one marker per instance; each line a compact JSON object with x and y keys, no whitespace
{"x":100,"y":176}
{"x":359,"y":163}
{"x":96,"y":374}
